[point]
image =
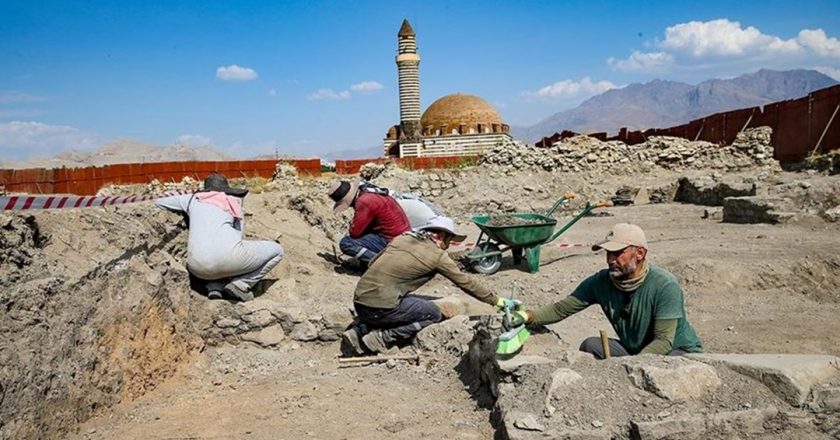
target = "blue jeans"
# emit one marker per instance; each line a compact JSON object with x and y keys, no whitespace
{"x":363,"y":248}
{"x":402,"y":322}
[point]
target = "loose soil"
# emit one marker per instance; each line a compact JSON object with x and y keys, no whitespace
{"x":152,"y":361}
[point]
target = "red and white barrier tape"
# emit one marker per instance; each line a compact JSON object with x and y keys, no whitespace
{"x":65,"y":202}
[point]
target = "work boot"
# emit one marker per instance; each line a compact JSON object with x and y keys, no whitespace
{"x":214,"y":294}
{"x":375,"y":341}
{"x":238,"y":293}
{"x":351,"y":343}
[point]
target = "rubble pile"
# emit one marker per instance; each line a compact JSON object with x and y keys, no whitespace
{"x":751,"y":149}
{"x":155,"y":187}
{"x":550,"y":392}
{"x":285,"y":173}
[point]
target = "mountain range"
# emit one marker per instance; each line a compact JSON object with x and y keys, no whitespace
{"x":661,"y":104}
{"x":120,"y":151}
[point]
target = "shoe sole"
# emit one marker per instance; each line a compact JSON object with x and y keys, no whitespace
{"x":234,"y":292}
{"x":350,"y":339}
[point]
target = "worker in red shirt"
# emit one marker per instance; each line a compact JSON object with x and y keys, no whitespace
{"x":377,"y":219}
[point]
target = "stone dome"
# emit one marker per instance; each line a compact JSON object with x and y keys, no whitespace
{"x":447,"y":114}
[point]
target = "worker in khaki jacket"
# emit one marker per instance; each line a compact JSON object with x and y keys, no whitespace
{"x":643,"y":302}
{"x":387,"y":313}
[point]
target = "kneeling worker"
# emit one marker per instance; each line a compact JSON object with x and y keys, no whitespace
{"x":387,"y":313}
{"x":643,"y":302}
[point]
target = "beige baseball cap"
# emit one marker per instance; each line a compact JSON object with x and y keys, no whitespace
{"x":621,"y":236}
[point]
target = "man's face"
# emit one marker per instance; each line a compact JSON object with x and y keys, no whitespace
{"x":623,"y":263}
{"x":443,"y":240}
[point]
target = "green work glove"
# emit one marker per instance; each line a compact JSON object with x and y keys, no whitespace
{"x":519,"y":317}
{"x":508,"y":303}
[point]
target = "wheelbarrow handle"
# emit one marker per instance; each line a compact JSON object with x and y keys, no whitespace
{"x":565,"y":198}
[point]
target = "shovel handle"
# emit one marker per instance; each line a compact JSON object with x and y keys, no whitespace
{"x":605,"y":344}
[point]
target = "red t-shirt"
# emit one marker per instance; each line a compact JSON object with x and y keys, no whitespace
{"x":378,"y":214}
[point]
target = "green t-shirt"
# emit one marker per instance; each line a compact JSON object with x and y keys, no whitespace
{"x":632,"y":314}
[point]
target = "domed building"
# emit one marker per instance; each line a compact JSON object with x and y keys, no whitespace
{"x":454,"y":125}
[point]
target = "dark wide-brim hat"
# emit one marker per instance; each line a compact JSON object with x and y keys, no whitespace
{"x":342,"y":192}
{"x":218,"y":182}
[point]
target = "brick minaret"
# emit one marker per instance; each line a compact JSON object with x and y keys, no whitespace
{"x":408,"y":69}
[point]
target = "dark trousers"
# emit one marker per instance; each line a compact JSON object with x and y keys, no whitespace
{"x":593,"y":345}
{"x":402,"y":322}
{"x":364,"y":248}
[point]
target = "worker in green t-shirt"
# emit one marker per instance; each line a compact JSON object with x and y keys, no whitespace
{"x":643,"y":302}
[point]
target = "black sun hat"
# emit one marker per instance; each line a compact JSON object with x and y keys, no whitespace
{"x":218,"y":182}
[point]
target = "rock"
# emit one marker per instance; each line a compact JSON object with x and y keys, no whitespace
{"x":338,"y":319}
{"x":754,"y":209}
{"x":749,"y":421}
{"x":705,"y":191}
{"x":597,"y":423}
{"x":789,"y":376}
{"x":832,"y":214}
{"x":227,"y":322}
{"x":672,"y":378}
{"x":527,"y":422}
{"x":685,"y":427}
{"x":827,"y":399}
{"x":510,"y":366}
{"x":260,"y":318}
{"x":559,"y":388}
{"x":304,"y":331}
{"x":450,"y":336}
{"x":715,"y":213}
{"x":267,"y":337}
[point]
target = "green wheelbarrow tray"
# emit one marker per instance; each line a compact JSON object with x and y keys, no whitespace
{"x":538,"y":229}
{"x":525,"y":238}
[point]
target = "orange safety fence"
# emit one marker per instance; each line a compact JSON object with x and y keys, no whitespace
{"x":88,"y":180}
{"x":800,"y":126}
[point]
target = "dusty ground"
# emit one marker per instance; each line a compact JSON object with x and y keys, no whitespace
{"x":749,"y":289}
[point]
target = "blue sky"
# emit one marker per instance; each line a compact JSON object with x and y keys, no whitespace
{"x":249,"y":77}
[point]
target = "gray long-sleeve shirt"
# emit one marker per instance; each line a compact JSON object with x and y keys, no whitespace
{"x":215,"y":236}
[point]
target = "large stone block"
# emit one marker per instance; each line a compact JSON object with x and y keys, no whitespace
{"x":450,"y":336}
{"x":561,"y":386}
{"x":687,"y":427}
{"x":267,"y":337}
{"x":789,"y":376}
{"x":672,"y":378}
{"x":755,"y":209}
{"x":705,"y":191}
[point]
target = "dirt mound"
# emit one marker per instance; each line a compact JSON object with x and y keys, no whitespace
{"x":92,"y":316}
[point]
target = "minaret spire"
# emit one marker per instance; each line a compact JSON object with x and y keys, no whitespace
{"x":408,"y":71}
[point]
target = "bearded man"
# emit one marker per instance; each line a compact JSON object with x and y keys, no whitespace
{"x":643,"y":302}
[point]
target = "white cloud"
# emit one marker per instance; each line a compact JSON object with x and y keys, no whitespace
{"x":641,"y":61}
{"x":22,"y":139}
{"x":570,"y":90}
{"x":817,"y":41}
{"x":194,"y":140}
{"x":328,"y":94}
{"x":721,"y":42}
{"x":366,"y":86}
{"x":15,"y":97}
{"x":272,"y":92}
{"x":236,"y":73}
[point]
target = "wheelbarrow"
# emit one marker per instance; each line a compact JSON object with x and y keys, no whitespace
{"x":527,"y":233}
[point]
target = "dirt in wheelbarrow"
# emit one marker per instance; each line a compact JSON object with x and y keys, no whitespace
{"x":513,"y":220}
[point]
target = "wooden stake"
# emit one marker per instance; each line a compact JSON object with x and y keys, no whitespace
{"x":380,"y":358}
{"x":605,"y":344}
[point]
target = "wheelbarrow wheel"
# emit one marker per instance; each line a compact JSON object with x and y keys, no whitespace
{"x":488,"y":265}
